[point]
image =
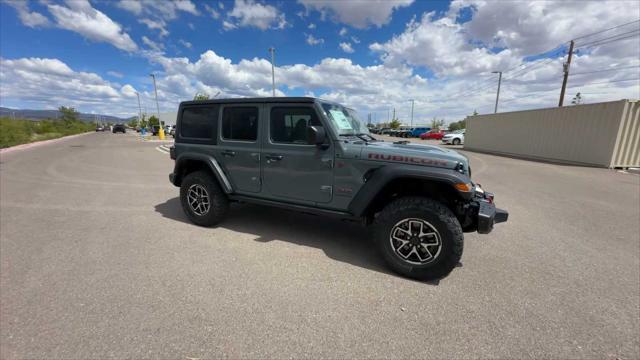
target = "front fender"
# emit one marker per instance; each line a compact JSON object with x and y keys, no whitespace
{"x":384,"y":175}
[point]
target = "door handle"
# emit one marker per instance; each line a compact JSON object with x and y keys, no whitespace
{"x":273,"y":158}
{"x":228,"y":153}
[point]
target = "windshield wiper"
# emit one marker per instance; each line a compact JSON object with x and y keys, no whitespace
{"x":366,"y":137}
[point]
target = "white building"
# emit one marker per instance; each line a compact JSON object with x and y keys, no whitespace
{"x":168,"y":118}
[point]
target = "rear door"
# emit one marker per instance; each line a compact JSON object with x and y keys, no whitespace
{"x":293,"y":169}
{"x":239,"y":146}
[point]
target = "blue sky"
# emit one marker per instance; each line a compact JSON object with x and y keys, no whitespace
{"x":372,"y":55}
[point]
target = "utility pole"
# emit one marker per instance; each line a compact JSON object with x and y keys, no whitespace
{"x":272,"y":50}
{"x":388,"y":115}
{"x":498,"y":94}
{"x":139,"y":109}
{"x":155,"y":89}
{"x":566,"y":74}
{"x":394,"y":114}
{"x":412,"y":102}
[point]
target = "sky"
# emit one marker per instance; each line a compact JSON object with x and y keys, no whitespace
{"x":371,"y":55}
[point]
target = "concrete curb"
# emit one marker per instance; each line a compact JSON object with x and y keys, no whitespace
{"x":39,"y":143}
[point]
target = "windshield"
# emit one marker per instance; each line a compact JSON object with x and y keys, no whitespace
{"x":458,"y":132}
{"x":344,"y":120}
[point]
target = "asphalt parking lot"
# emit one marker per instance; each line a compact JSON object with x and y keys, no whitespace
{"x":98,"y":261}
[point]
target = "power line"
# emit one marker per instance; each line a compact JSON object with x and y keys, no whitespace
{"x":612,"y":38}
{"x":604,"y":82}
{"x":610,"y":41}
{"x":531,"y":68}
{"x":612,"y":69}
{"x":605,"y":30}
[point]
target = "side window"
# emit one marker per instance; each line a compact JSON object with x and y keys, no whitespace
{"x":289,"y":124}
{"x":240,"y":123}
{"x":199,"y":122}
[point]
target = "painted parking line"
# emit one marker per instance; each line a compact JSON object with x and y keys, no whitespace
{"x":163,"y":149}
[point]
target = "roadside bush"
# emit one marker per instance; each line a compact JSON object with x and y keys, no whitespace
{"x":20,"y":131}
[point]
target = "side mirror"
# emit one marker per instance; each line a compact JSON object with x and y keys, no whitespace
{"x":316,"y":135}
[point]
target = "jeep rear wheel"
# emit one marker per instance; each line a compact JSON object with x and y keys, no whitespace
{"x":202,"y":200}
{"x":419,"y":238}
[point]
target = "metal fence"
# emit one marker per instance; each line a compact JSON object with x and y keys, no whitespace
{"x":601,"y":134}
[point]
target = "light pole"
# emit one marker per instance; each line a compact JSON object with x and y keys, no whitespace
{"x":272,"y":50}
{"x":412,"y":102}
{"x":155,"y":89}
{"x":139,"y":109}
{"x":498,"y":94}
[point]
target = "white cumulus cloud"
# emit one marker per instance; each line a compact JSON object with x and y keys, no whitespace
{"x":357,"y":13}
{"x":80,"y":17}
{"x":346,"y":47}
{"x":311,"y":40}
{"x":29,"y":18}
{"x":248,"y":13}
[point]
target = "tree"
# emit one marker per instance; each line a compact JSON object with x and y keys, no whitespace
{"x":202,"y":96}
{"x":475,"y":112}
{"x":394,"y":124}
{"x":577,"y":100}
{"x":458,"y":125}
{"x":143,"y":121}
{"x":68,"y":114}
{"x":153,"y":120}
{"x":436,"y":124}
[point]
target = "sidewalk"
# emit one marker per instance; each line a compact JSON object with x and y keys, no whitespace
{"x":150,"y":138}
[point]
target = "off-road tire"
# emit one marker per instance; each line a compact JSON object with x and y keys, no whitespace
{"x":436,"y":214}
{"x":219,"y":203}
{"x":455,"y":141}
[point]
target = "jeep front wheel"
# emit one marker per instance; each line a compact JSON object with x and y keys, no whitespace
{"x":419,"y":238}
{"x":202,"y":200}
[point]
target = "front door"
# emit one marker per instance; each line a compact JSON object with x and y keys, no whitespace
{"x":239,"y":147}
{"x":293,"y":169}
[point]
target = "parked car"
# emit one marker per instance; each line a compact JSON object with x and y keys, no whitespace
{"x":417,"y":131}
{"x":433,"y":135}
{"x":119,"y":128}
{"x":384,"y":131}
{"x":404,"y":133}
{"x":99,"y":128}
{"x":454,"y":138}
{"x":417,"y":200}
{"x":394,"y":132}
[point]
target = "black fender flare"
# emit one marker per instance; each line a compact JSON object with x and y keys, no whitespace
{"x":210,"y":161}
{"x":382,"y":176}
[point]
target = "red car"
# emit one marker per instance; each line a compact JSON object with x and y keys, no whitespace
{"x":433,"y":134}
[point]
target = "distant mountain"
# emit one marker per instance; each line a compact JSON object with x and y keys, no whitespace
{"x":54,"y":114}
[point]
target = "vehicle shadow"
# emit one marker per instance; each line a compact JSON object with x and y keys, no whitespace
{"x":340,"y":240}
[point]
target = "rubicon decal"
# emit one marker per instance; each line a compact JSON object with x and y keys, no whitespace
{"x":408,"y":159}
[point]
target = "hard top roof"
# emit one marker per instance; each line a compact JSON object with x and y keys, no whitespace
{"x":290,"y":99}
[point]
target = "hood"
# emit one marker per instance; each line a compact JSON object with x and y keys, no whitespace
{"x":414,"y":154}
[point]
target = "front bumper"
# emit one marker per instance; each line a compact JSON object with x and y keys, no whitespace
{"x":482,"y":213}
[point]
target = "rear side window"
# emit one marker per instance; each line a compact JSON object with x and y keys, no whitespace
{"x":199,"y":122}
{"x":240,"y":123}
{"x":289,"y":124}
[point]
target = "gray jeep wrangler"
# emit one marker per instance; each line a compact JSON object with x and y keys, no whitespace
{"x":315,"y":156}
